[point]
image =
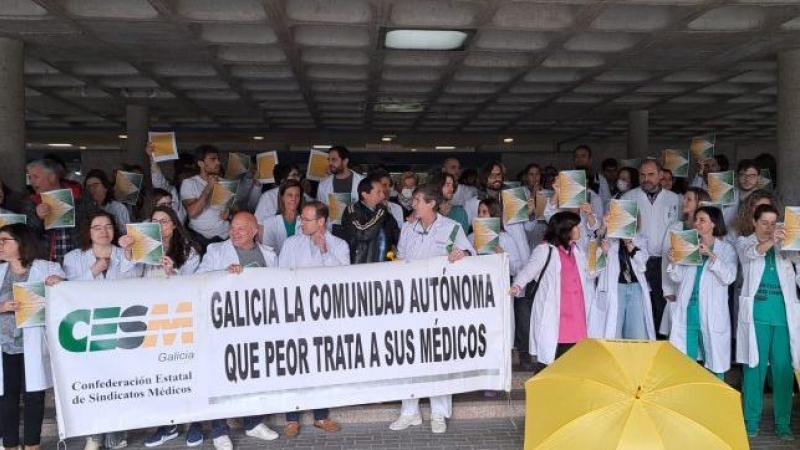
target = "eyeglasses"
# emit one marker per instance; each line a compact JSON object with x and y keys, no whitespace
{"x":748,"y":176}
{"x":162,"y":221}
{"x":306,"y":219}
{"x":102,"y":227}
{"x":4,"y":241}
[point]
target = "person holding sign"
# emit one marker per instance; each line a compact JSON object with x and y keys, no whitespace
{"x":234,"y":255}
{"x":428,"y":236}
{"x":701,"y":325}
{"x":341,"y":180}
{"x":160,"y":182}
{"x":43,"y":175}
{"x":565,"y":290}
{"x":589,"y":211}
{"x":315,"y":247}
{"x":24,"y":366}
{"x":209,"y":224}
{"x":180,"y":256}
{"x":100,"y":195}
{"x":768,"y":333}
{"x":490,"y":208}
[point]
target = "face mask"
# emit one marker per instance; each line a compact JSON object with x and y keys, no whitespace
{"x":407,"y":193}
{"x":622,"y":185}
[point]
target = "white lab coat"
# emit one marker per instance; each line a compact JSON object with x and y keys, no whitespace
{"x":655,"y":218}
{"x":274,"y":233}
{"x":511,"y":247}
{"x":267,"y":205}
{"x":753,"y":266}
{"x":546,"y":310}
{"x":715,"y":321}
{"x":668,"y":287}
{"x":326,"y":187}
{"x":417,"y":244}
{"x":121,"y":214}
{"x":603,"y":315}
{"x":38,"y":376}
{"x":78,"y":265}
{"x":189,"y":267}
{"x":463,"y":193}
{"x":220,"y":255}
{"x":300,"y":251}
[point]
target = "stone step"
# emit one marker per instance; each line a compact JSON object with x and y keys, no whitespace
{"x":470,"y":405}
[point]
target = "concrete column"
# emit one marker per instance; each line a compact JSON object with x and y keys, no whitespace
{"x":138,"y":124}
{"x":638,"y":133}
{"x":788,"y":131}
{"x":12,"y":114}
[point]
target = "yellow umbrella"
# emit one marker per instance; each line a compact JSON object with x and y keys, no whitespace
{"x":631,"y":395}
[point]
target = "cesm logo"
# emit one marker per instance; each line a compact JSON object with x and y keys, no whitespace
{"x":100,"y":329}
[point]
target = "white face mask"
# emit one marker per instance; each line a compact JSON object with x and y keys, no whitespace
{"x":623,"y":186}
{"x":407,"y":193}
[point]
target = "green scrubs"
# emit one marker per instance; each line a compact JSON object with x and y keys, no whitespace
{"x":290,"y":227}
{"x":772,"y":336}
{"x":695,"y":348}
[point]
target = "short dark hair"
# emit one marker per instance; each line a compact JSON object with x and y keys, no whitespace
{"x":204,"y":150}
{"x":440,"y":179}
{"x":431,"y":192}
{"x":85,"y":234}
{"x":343,"y":152}
{"x":366,"y":185}
{"x":560,"y":227}
{"x":715,"y":214}
{"x":320,"y":209}
{"x":582,"y":147}
{"x":493,"y":206}
{"x":763,"y":209}
{"x":608,"y":163}
{"x":658,"y":165}
{"x":103,"y":178}
{"x":282,"y":171}
{"x":747,"y":164}
{"x":30,"y":247}
{"x":700,"y":193}
{"x":723,"y":162}
{"x":380,"y":174}
{"x":286,"y":185}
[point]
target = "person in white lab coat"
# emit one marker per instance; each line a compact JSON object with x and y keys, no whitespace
{"x":341,"y":178}
{"x":565,"y":292}
{"x":430,"y":235}
{"x":768,"y":332}
{"x":589,"y":212}
{"x":658,"y":210}
{"x":622,"y":308}
{"x":314,"y":246}
{"x":268,"y":202}
{"x":461,"y":192}
{"x":99,"y":258}
{"x":689,"y":204}
{"x":161,"y":182}
{"x":25,"y":363}
{"x":701,"y":325}
{"x":180,"y":256}
{"x":234,"y":255}
{"x":490,"y":207}
{"x":100,"y":195}
{"x":274,"y":230}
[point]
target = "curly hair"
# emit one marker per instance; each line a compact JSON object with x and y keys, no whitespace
{"x":743,"y":224}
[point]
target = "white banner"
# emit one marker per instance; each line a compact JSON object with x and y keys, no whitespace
{"x":137,"y":353}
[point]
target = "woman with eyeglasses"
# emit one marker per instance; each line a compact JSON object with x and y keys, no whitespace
{"x":162,"y":197}
{"x":100,"y":194}
{"x":180,"y":258}
{"x":768,"y":335}
{"x":701,"y":326}
{"x":276,"y":229}
{"x":25,"y":364}
{"x":96,"y":259}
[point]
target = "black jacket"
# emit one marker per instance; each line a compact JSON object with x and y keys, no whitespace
{"x":361,"y":228}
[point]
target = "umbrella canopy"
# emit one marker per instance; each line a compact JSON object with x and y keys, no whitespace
{"x":640,"y":395}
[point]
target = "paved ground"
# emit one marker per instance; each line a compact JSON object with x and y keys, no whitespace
{"x":494,"y":434}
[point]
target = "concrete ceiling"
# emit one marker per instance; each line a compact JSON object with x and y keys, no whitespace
{"x":573,"y":68}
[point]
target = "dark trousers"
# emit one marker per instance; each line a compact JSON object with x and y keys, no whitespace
{"x":560,"y":350}
{"x":522,"y":323}
{"x":319,"y":414}
{"x":653,"y":276}
{"x":14,"y":387}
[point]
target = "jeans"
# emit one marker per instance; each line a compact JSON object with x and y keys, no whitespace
{"x":319,"y":414}
{"x":630,"y":312}
{"x":14,"y":384}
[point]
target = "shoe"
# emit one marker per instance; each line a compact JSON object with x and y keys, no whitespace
{"x":116,"y":440}
{"x":223,"y":443}
{"x":438,"y":424}
{"x":327,"y":425}
{"x":262,"y":432}
{"x":194,"y":435}
{"x":784,"y":435}
{"x":404,"y":422}
{"x":291,"y":429}
{"x":162,"y":434}
{"x":752,"y":433}
{"x":92,"y":443}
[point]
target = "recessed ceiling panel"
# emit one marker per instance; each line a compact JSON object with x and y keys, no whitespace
{"x":524,"y":41}
{"x":331,"y":36}
{"x":432,"y":13}
{"x":219,"y":33}
{"x":335,"y":56}
{"x":332,"y":11}
{"x":633,"y":18}
{"x":223,"y":11}
{"x":111,"y":9}
{"x":534,"y":16}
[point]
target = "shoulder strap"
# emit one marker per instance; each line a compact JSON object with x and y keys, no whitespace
{"x":546,"y":263}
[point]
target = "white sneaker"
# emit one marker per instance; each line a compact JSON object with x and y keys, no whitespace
{"x":438,"y":424}
{"x":262,"y":432}
{"x":92,"y":443}
{"x":223,"y":443}
{"x":404,"y":422}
